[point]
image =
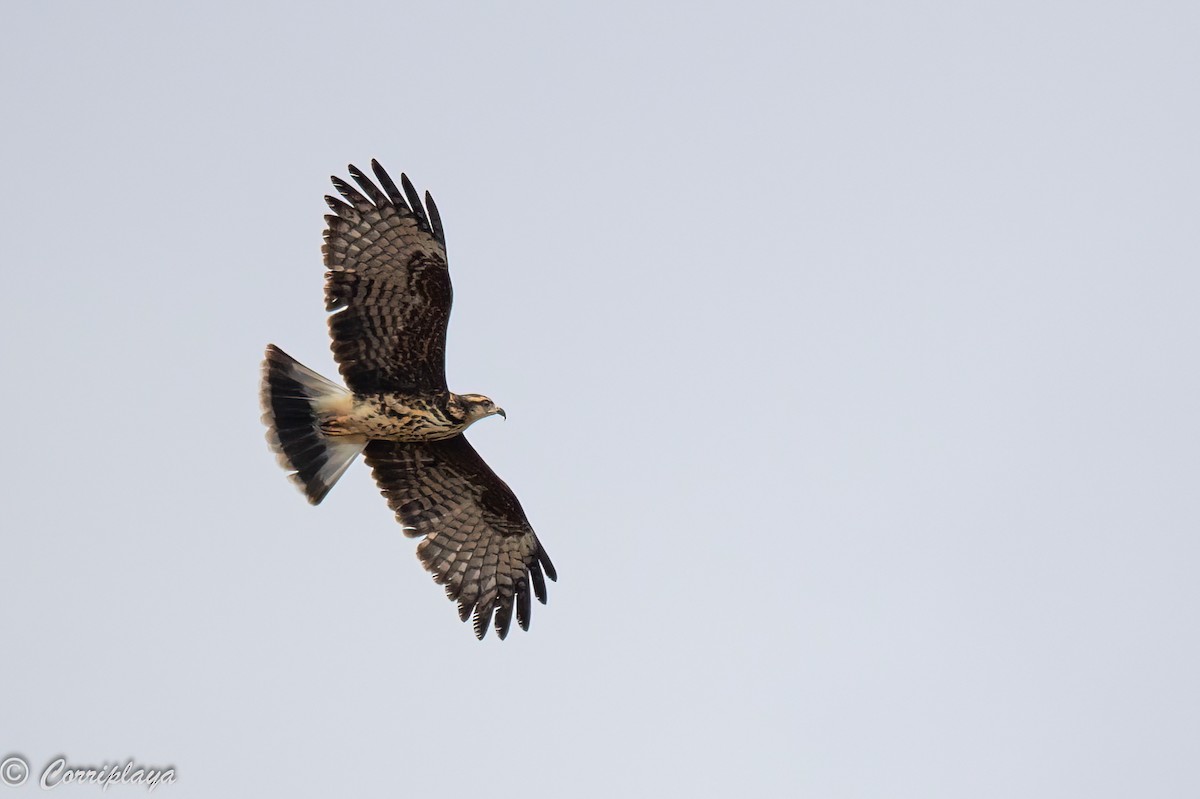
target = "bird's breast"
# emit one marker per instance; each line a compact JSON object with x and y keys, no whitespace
{"x":398,"y":417}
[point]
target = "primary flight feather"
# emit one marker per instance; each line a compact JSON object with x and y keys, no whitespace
{"x":388,"y":287}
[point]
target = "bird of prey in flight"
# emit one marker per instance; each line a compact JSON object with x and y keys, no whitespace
{"x":388,"y":287}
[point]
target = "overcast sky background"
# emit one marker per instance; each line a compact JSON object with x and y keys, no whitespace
{"x":850,"y":359}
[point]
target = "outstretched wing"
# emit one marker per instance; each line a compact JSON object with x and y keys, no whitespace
{"x":389,"y":284}
{"x":478,"y":542}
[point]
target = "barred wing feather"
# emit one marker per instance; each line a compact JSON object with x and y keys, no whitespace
{"x":478,"y":543}
{"x":388,"y":282}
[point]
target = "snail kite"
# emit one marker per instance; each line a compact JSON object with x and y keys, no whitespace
{"x":388,"y":287}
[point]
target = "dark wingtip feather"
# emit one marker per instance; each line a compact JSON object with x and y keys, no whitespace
{"x":389,"y":185}
{"x":483,"y":620}
{"x":339,"y":207}
{"x":546,"y":564}
{"x":349,"y":192}
{"x":504,"y":619}
{"x":539,"y":582}
{"x":435,"y":219}
{"x":414,"y":201}
{"x":523,"y":606}
{"x":367,"y":186}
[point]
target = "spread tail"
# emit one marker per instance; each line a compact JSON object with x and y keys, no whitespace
{"x":293,"y":400}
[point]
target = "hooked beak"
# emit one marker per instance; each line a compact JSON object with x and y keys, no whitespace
{"x":503,"y":415}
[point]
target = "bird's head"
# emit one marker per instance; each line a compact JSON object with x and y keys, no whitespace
{"x":477,"y":406}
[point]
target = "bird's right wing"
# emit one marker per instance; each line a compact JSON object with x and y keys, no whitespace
{"x":478,"y":543}
{"x":389,"y":284}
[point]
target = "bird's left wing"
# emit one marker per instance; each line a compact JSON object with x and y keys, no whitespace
{"x":389,"y":284}
{"x":478,"y":543}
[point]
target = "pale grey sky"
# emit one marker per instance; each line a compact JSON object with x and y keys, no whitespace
{"x":850,"y":358}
